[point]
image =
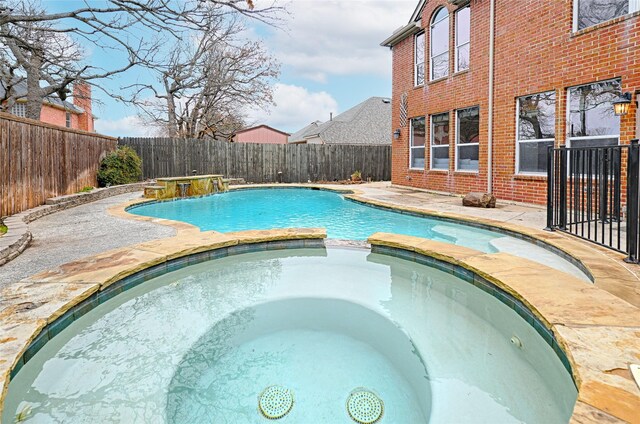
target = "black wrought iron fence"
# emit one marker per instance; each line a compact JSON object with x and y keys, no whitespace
{"x":592,"y":193}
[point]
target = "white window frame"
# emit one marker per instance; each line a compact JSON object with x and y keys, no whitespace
{"x":67,"y":119}
{"x":431,"y":56}
{"x":568,"y":117}
{"x":411,"y":148}
{"x":415,"y":58}
{"x":634,"y":6}
{"x":440,"y":146}
{"x":470,"y":171}
{"x":541,"y":140}
{"x":19,"y":109}
{"x":456,"y":69}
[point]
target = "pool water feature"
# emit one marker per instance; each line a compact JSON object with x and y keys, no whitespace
{"x":262,"y":209}
{"x":202,"y":343}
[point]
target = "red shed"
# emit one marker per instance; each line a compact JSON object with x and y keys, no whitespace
{"x":261,"y":134}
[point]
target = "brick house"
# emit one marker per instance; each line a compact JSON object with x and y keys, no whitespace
{"x":262,"y":134}
{"x":77,"y":115}
{"x":484,"y":82}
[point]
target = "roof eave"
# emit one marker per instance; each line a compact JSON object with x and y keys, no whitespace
{"x":406,"y":31}
{"x":415,"y":16}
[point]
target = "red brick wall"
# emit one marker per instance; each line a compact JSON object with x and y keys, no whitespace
{"x":535,"y":50}
{"x":82,"y":99}
{"x":55,"y":116}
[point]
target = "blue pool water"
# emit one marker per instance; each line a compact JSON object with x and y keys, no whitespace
{"x":262,"y":209}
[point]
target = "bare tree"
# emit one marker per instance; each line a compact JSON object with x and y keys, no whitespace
{"x":44,"y":45}
{"x":208,"y":84}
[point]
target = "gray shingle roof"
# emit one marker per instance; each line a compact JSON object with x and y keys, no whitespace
{"x":298,"y":136}
{"x":21,"y":90}
{"x":366,"y":123}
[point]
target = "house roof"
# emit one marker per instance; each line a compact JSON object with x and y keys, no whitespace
{"x":298,"y":136}
{"x":415,"y":16}
{"x":52,"y":100}
{"x":366,"y":123}
{"x":262,"y":126}
{"x":415,"y":25}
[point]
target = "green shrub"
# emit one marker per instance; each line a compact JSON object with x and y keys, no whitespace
{"x":123,"y":166}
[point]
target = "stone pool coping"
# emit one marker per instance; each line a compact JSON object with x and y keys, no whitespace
{"x":606,"y":267}
{"x":597,"y":333}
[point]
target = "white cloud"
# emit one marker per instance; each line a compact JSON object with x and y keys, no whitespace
{"x":330,"y":37}
{"x":129,"y":126}
{"x":295,"y":108}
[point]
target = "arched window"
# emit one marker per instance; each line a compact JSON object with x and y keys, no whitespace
{"x":439,"y":44}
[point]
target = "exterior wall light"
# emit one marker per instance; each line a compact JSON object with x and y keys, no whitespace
{"x":621,"y":106}
{"x":396,"y":134}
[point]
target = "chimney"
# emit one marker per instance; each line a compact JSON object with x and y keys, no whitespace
{"x":82,"y":99}
{"x":330,"y":116}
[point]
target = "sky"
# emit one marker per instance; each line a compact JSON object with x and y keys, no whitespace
{"x":330,"y":56}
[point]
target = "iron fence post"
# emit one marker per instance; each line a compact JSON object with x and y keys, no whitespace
{"x":604,"y":186}
{"x":562,"y":185}
{"x":633,"y":174}
{"x":550,"y":188}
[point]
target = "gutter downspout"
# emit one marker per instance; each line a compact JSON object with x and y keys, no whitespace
{"x":490,"y":119}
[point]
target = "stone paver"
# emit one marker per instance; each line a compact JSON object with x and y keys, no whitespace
{"x":78,"y":232}
{"x":528,"y":215}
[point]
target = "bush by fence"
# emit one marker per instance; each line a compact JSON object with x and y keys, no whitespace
{"x":260,"y":163}
{"x":38,"y":161}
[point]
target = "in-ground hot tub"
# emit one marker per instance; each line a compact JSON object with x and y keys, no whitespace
{"x":203,"y":343}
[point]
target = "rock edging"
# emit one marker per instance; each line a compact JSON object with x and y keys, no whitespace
{"x":18,"y":236}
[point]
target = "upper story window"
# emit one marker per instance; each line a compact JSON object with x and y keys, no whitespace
{"x":591,"y":121}
{"x":416,"y":144}
{"x":467,"y":139}
{"x":536,"y":131}
{"x":440,"y":141}
{"x":439,"y":44}
{"x":19,"y":109}
{"x":68,"y":120}
{"x":587,"y":13}
{"x":463,"y":38}
{"x":419,"y":59}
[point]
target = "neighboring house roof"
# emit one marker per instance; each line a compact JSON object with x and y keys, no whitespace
{"x":52,"y":100}
{"x":366,"y":123}
{"x":298,"y":136}
{"x":262,"y":126}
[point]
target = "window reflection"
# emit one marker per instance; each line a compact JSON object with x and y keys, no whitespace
{"x":440,"y":44}
{"x":593,"y":12}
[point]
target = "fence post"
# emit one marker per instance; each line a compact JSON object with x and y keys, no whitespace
{"x":550,"y":188}
{"x":562,"y":184}
{"x":633,"y":174}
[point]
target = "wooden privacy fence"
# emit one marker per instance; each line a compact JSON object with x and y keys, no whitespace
{"x":260,"y":163}
{"x":39,"y":161}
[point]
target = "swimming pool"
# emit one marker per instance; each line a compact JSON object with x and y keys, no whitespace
{"x":202,"y":343}
{"x":270,"y":208}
